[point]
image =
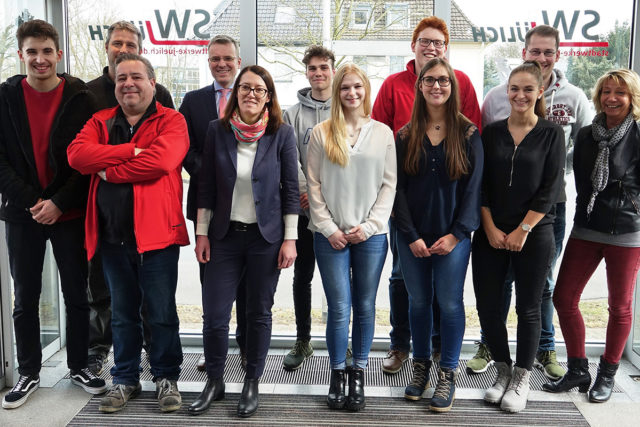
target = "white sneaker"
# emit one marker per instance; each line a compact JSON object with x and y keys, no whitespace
{"x":515,"y":399}
{"x":494,"y":393}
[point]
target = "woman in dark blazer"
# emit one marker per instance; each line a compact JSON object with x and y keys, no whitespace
{"x":247,"y":223}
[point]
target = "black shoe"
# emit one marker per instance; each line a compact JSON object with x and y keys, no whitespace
{"x":336,"y":398}
{"x":248,"y":404}
{"x":201,"y":364}
{"x":96,"y":364}
{"x":89,"y":382}
{"x":355,"y":399}
{"x":213,"y":390}
{"x":577,"y":376}
{"x":19,"y":394}
{"x":602,"y":387}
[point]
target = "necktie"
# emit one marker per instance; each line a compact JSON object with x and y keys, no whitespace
{"x":222,"y":101}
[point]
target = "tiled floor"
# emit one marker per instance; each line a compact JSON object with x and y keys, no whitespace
{"x":57,"y":401}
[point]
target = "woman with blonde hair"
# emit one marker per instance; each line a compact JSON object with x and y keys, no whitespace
{"x":351,"y":164}
{"x":606,"y":225}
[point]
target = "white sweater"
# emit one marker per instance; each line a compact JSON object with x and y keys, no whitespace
{"x":362,"y":193}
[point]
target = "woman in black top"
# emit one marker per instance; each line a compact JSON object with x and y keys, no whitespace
{"x":523,"y":178}
{"x":607,"y":225}
{"x":437,"y":207}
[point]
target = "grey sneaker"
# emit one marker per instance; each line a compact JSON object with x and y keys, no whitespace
{"x":96,"y":364}
{"x":300,"y":352}
{"x":481,"y":361}
{"x":495,"y":393}
{"x":169,"y":398}
{"x":515,"y":399}
{"x":548,"y":363}
{"x":118,"y":396}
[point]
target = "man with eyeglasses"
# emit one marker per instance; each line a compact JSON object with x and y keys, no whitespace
{"x":314,"y":106}
{"x":567,"y":106}
{"x":122,"y":37}
{"x":393,"y":107}
{"x":199,"y":107}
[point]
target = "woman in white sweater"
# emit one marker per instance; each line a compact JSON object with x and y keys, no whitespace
{"x":351,"y":179}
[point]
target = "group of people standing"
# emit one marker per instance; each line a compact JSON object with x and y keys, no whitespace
{"x":335,"y":179}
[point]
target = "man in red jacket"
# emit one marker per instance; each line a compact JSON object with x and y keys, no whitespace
{"x":134,"y":152}
{"x":393,"y":107}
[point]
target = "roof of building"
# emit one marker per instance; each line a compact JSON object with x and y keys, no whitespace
{"x":299,"y":22}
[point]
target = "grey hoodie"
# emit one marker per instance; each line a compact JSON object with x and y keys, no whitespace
{"x":303,"y":117}
{"x":567,"y":106}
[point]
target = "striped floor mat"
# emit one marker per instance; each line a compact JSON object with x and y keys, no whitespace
{"x":295,"y":410}
{"x":316,"y":371}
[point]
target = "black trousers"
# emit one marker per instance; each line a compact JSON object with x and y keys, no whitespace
{"x":27,"y":243}
{"x":302,"y":276}
{"x":238,"y":254}
{"x":530,"y":267}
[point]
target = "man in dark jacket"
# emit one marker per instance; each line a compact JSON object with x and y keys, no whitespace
{"x":122,"y":37}
{"x":44,"y":199}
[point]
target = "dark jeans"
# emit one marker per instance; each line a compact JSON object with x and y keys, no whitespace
{"x":238,"y":253}
{"x":100,"y":336}
{"x":398,"y":299}
{"x":302,"y":276}
{"x":547,"y":331}
{"x":152,"y":278}
{"x":26,"y":243}
{"x":530,"y":266}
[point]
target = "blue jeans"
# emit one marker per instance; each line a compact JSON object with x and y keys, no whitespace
{"x":444,"y":276}
{"x":365,"y":261}
{"x":151,"y":277}
{"x":547,"y":333}
{"x":400,"y":333}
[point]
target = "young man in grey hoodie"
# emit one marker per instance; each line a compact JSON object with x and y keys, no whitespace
{"x":568,"y":107}
{"x":314,"y":106}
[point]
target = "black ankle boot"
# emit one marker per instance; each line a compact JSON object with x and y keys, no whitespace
{"x":248,"y":404}
{"x":577,"y":376}
{"x":336,"y":398}
{"x":355,"y":400}
{"x":213,"y":390}
{"x":602,"y":387}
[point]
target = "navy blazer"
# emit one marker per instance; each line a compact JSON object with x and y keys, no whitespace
{"x":199,"y":108}
{"x":274,"y":180}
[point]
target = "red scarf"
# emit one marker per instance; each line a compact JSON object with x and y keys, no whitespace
{"x":248,"y":134}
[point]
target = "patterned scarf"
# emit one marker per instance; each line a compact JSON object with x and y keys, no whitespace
{"x":248,"y":134}
{"x":606,"y":139}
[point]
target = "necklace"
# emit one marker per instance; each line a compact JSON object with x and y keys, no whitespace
{"x":355,"y":132}
{"x":436,"y":127}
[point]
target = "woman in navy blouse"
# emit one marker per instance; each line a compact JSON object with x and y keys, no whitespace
{"x":437,"y":207}
{"x":523,"y":179}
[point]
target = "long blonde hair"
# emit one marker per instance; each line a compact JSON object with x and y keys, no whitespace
{"x":335,"y":128}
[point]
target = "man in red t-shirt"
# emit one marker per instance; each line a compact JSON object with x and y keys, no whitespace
{"x":44,"y":199}
{"x":393,"y":107}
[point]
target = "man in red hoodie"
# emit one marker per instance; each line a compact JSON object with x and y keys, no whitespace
{"x":134,"y":154}
{"x":393,"y":107}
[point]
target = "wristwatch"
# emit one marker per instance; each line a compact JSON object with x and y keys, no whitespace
{"x":526,"y":227}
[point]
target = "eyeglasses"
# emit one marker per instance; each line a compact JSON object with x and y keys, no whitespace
{"x":438,"y":44}
{"x":258,"y":92}
{"x":216,"y":59}
{"x":442,"y":81}
{"x":536,"y":52}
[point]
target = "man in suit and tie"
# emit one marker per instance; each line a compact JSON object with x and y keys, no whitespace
{"x":199,"y":107}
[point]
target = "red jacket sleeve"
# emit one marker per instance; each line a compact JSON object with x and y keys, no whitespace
{"x":89,"y":152}
{"x":468,"y":99}
{"x":163,"y":151}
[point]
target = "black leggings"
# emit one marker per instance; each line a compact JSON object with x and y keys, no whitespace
{"x":530,"y":267}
